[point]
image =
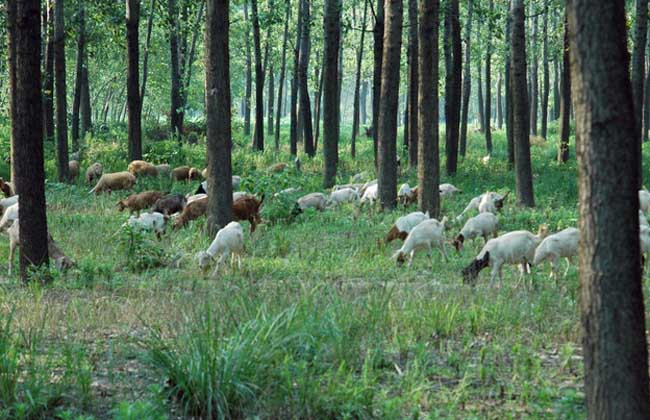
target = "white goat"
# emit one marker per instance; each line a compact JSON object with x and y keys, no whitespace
{"x":61,"y":261}
{"x":8,"y":217}
{"x":343,"y":195}
{"x":314,"y":200}
{"x":517,"y":247}
{"x":474,"y":204}
{"x":405,"y":224}
{"x":229,"y":241}
{"x":371,"y":194}
{"x":5,"y":203}
{"x":148,"y":222}
{"x":404,"y":193}
{"x":428,"y":234}
{"x":448,"y":190}
{"x":563,"y":244}
{"x":484,"y":224}
{"x":643,"y":221}
{"x":644,"y":200}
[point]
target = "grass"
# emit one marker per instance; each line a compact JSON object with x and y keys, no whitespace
{"x":318,"y":323}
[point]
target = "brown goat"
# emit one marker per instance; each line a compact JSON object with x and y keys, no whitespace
{"x":170,"y":204}
{"x":141,"y":167}
{"x":278,"y":167}
{"x":185,"y":173}
{"x":192,"y":211}
{"x":248,"y":208}
{"x":395,"y":233}
{"x":73,"y":168}
{"x":140,"y":201}
{"x":6,"y":189}
{"x":94,"y":172}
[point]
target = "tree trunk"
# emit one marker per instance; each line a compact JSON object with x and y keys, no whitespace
{"x":48,"y":77}
{"x":317,"y":107}
{"x":145,"y":57}
{"x":364,"y":102}
{"x":331,"y":130}
{"x":175,"y":68}
{"x":534,"y":81}
{"x":357,"y":84}
{"x":499,"y":105}
{"x":283,"y":69}
{"x":480,"y":103}
{"x":565,"y":101}
{"x":521,"y":114}
{"x":61,"y":92}
{"x":613,"y":324}
{"x":85,"y":111}
{"x":294,"y":86}
{"x":638,"y":75}
{"x":428,"y":164}
{"x":23,"y":27}
{"x":411,"y":124}
{"x":258,"y":133}
{"x":556,"y":89}
{"x":249,"y":75}
{"x":467,"y":80}
{"x":270,"y":101}
{"x":453,"y":60}
{"x":133,"y":79}
{"x":218,"y":115}
{"x":388,"y":106}
{"x":303,"y":69}
{"x":186,"y":74}
{"x":646,"y":106}
{"x":509,"y":114}
{"x":488,"y":84}
{"x":76,"y":104}
{"x":378,"y":51}
{"x":546,"y":88}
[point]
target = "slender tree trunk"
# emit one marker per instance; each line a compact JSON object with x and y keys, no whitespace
{"x":378,"y":51}
{"x":646,"y":106}
{"x":388,"y":107}
{"x":357,"y":84}
{"x":480,"y":102}
{"x":175,"y":68}
{"x":499,"y":107}
{"x":546,"y":88}
{"x":23,"y":27}
{"x":453,"y":60}
{"x":556,"y":89}
{"x":258,"y":133}
{"x":186,"y":75}
{"x":271,"y":100}
{"x":249,"y":75}
{"x":521,"y":114}
{"x":509,"y":110}
{"x":218,"y":115}
{"x":294,"y":86}
{"x":76,"y":104}
{"x":133,"y":79}
{"x":411,"y":123}
{"x":488,"y":84}
{"x":428,"y":164}
{"x":613,"y":324}
{"x":638,"y":74}
{"x":283,"y":69}
{"x":331,"y":130}
{"x":467,"y":80}
{"x":48,"y":76}
{"x":303,"y":68}
{"x":364,"y":102}
{"x":145,"y":55}
{"x":534,"y":82}
{"x":85,"y":111}
{"x":61,"y":92}
{"x":317,"y":107}
{"x":565,"y":101}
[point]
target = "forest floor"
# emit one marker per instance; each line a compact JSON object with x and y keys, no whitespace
{"x":319,"y":322}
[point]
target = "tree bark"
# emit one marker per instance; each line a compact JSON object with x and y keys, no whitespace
{"x":488,"y":83}
{"x":293,"y":139}
{"x":378,"y":51}
{"x":508,"y":97}
{"x":480,"y":103}
{"x":646,"y":105}
{"x":331,"y":130}
{"x":364,"y":100}
{"x":357,"y":84}
{"x":76,"y":104}
{"x":303,"y":68}
{"x":85,"y":111}
{"x":467,"y":79}
{"x":283,"y":69}
{"x":453,"y":63}
{"x":534,"y":82}
{"x":175,"y":68}
{"x":556,"y":88}
{"x":613,"y":324}
{"x":249,"y":75}
{"x":499,"y":104}
{"x":638,"y":75}
{"x":388,"y":107}
{"x":133,"y":79}
{"x":521,"y":114}
{"x":145,"y":57}
{"x":218,"y":115}
{"x":317,"y":106}
{"x":61,"y":92}
{"x":565,"y":101}
{"x":546,"y":88}
{"x":411,"y":127}
{"x":258,"y":133}
{"x":270,"y":101}
{"x":23,"y":27}
{"x":428,"y":164}
{"x":48,"y":76}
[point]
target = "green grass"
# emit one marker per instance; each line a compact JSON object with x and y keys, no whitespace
{"x":318,"y":323}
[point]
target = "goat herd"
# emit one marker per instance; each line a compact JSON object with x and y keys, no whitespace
{"x":417,"y":230}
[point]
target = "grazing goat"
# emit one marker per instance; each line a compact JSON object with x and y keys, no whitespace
{"x":185,"y":173}
{"x":404,"y":194}
{"x":114,"y":181}
{"x":286,"y":191}
{"x":643,"y":221}
{"x":94,"y":172}
{"x":163,"y":169}
{"x":356,"y":186}
{"x":367,"y":185}
{"x":61,"y":261}
{"x":484,"y":224}
{"x":371,"y":194}
{"x":10,"y":214}
{"x":344,"y":195}
{"x":644,"y":200}
{"x":448,"y":190}
{"x":140,"y":201}
{"x":563,"y":244}
{"x":229,"y":241}
{"x":5,"y":203}
{"x":203,"y":186}
{"x":428,"y":234}
{"x":192,"y":211}
{"x":278,"y":167}
{"x":314,"y":200}
{"x":404,"y":225}
{"x":6,"y":188}
{"x":248,"y":208}
{"x":73,"y":169}
{"x":170,"y":204}
{"x":148,"y":222}
{"x":496,"y":198}
{"x":490,"y":204}
{"x":141,"y":167}
{"x":517,"y":247}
